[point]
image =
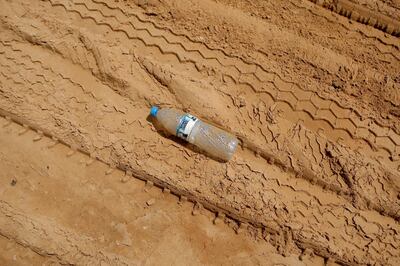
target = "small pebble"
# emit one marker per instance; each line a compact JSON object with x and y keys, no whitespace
{"x":150,"y":202}
{"x":338,"y":84}
{"x":125,"y":178}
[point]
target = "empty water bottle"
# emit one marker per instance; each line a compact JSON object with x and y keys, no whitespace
{"x":214,"y":141}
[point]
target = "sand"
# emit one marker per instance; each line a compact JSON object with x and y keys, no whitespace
{"x":310,"y":88}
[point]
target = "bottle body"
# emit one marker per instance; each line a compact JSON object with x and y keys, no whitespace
{"x":214,"y":141}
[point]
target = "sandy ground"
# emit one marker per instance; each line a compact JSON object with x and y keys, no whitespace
{"x":311,"y":89}
{"x":62,"y":208}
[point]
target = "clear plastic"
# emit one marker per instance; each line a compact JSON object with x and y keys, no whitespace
{"x":169,"y":118}
{"x":214,"y":141}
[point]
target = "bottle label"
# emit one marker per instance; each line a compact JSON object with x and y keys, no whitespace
{"x":185,"y":126}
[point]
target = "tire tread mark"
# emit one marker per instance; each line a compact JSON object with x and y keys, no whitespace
{"x":305,"y":197}
{"x":332,"y":124}
{"x":248,"y":63}
{"x":361,"y":32}
{"x":363,"y":15}
{"x":7,"y":44}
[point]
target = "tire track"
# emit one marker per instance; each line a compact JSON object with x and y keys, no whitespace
{"x":360,"y":31}
{"x":204,"y":45}
{"x":20,"y":121}
{"x":275,"y":159}
{"x":54,"y":75}
{"x":361,"y":14}
{"x":13,"y":250}
{"x":309,"y":175}
{"x":281,"y":162}
{"x":240,"y":71}
{"x":266,"y":232}
{"x":313,"y":205}
{"x":363,"y":128}
{"x":46,"y":239}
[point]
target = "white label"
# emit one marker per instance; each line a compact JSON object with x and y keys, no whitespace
{"x":185,"y":126}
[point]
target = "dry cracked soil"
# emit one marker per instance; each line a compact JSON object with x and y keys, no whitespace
{"x":311,"y":88}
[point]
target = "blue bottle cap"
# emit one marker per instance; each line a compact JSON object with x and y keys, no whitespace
{"x":153,"y":111}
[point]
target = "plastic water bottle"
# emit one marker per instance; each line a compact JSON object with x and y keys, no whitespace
{"x":216,"y":142}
